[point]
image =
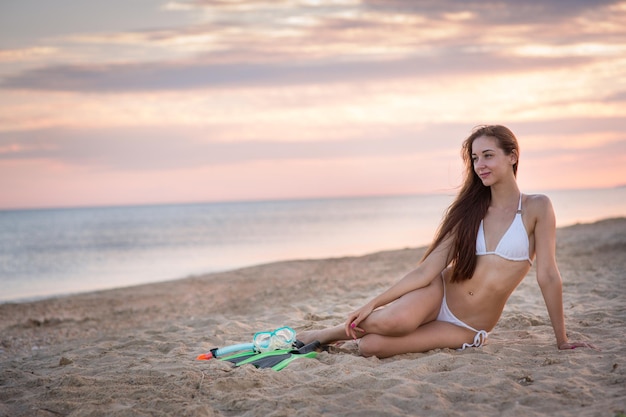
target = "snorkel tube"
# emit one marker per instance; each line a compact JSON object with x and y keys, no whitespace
{"x":217,"y":352}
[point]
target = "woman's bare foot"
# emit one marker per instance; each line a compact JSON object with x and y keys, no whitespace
{"x":324,"y":336}
{"x":308,"y":336}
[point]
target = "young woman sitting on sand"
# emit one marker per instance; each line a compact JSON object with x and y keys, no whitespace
{"x":483,"y":249}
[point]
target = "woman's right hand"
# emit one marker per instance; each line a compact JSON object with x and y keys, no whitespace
{"x":355,"y":318}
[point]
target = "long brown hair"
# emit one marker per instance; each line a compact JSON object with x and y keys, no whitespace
{"x":462,"y":219}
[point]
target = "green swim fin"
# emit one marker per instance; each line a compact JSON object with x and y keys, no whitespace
{"x":239,"y":357}
{"x":278,"y":359}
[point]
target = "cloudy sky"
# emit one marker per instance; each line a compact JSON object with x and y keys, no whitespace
{"x":155,"y":101}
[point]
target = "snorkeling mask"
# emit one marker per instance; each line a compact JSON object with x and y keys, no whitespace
{"x":281,"y":338}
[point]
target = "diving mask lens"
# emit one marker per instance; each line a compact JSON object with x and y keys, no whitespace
{"x":281,"y":338}
{"x":284,"y":337}
{"x":262,"y":341}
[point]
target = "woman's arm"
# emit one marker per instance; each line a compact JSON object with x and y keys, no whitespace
{"x":548,"y":275}
{"x":420,"y":277}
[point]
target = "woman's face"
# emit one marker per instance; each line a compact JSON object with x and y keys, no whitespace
{"x":491,"y":164}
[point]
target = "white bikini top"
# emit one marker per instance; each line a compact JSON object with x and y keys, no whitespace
{"x":513,"y":246}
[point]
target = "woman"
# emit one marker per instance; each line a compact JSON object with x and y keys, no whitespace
{"x":483,"y":249}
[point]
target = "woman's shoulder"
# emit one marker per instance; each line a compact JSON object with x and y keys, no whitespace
{"x":537,"y":204}
{"x":537,"y":199}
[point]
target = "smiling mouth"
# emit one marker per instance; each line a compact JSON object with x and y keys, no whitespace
{"x":484,"y":174}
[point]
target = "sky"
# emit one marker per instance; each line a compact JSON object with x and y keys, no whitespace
{"x":153,"y":101}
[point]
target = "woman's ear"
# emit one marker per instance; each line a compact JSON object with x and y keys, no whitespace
{"x":513,"y":157}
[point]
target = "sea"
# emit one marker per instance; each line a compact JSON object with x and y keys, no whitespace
{"x":53,"y":252}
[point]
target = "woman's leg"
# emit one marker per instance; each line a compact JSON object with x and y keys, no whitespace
{"x":432,"y":335}
{"x":324,"y":336}
{"x":399,"y":318}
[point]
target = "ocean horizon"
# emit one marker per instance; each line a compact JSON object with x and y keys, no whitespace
{"x":59,"y":251}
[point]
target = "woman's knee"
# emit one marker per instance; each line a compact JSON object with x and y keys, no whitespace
{"x":398,"y":323}
{"x":371,"y":345}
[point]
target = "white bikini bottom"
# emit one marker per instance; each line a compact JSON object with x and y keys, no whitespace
{"x":446,"y":315}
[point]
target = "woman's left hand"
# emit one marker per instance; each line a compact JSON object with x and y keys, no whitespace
{"x":574,"y":345}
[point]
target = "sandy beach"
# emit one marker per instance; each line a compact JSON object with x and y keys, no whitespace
{"x":131,"y":351}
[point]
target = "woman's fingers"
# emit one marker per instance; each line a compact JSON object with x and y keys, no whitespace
{"x":351,"y":325}
{"x":354,"y":319}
